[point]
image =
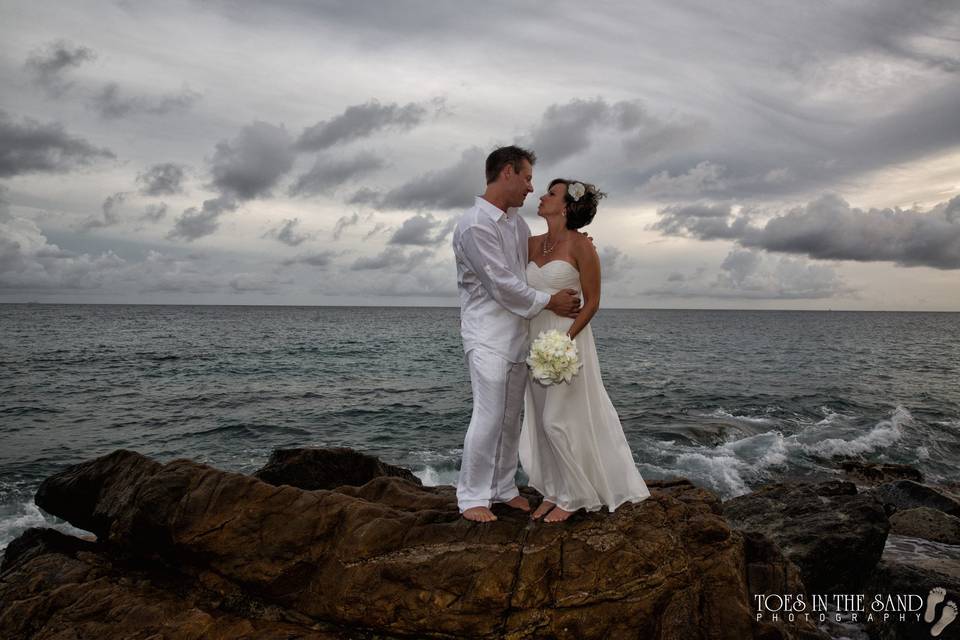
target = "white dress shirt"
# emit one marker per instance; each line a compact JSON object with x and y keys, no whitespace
{"x":490,"y":246}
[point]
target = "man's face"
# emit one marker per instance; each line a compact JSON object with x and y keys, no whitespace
{"x":520,"y":183}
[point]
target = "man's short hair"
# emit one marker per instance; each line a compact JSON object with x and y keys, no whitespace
{"x":512,"y":155}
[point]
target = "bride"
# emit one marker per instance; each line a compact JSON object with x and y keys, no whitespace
{"x":572,"y":445}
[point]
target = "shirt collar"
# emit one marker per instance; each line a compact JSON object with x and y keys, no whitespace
{"x":494,"y":211}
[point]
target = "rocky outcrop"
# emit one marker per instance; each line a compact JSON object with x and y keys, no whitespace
{"x":907,"y":494}
{"x":55,"y":586}
{"x":870,"y":474}
{"x":921,"y":553}
{"x":768,"y":570}
{"x":914,"y":566}
{"x":834,"y":534}
{"x":313,"y":469}
{"x":187,"y":551}
{"x":927,"y":523}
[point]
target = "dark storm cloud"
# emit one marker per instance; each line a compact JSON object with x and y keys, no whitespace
{"x":328,"y":174}
{"x":566,"y":130}
{"x":154,"y":212}
{"x":111,"y":213}
{"x":421,"y":229}
{"x":361,"y":121}
{"x":394,"y":259}
{"x":377,"y":228}
{"x":288,"y":233}
{"x":247,"y":167}
{"x":895,"y":30}
{"x":33,"y":147}
{"x":111,"y":104}
{"x":49,"y":64}
{"x":706,"y":178}
{"x":750,"y":274}
{"x":364,"y":195}
{"x":613,"y":263}
{"x":343,"y":222}
{"x":5,"y":215}
{"x":830,"y":229}
{"x":789,"y":147}
{"x":322,"y":259}
{"x":929,"y":123}
{"x":251,"y":164}
{"x":256,"y":282}
{"x":163,"y":179}
{"x":387,"y":24}
{"x":784,"y":100}
{"x":453,"y":187}
{"x":704,"y":221}
{"x":195,"y":223}
{"x":354,"y":219}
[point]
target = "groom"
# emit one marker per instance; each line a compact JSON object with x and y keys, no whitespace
{"x":490,"y":245}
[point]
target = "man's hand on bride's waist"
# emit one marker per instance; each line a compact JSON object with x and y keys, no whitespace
{"x":565,"y":302}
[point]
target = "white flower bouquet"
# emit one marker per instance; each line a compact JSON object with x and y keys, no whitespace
{"x":553,"y":357}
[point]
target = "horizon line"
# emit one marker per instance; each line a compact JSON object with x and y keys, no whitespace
{"x":382,"y":306}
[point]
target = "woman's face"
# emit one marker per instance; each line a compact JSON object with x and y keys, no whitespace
{"x":553,"y":202}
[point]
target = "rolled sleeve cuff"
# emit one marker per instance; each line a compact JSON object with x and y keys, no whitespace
{"x":542,"y":299}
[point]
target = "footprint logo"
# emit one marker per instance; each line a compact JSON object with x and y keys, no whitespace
{"x":935,"y":597}
{"x":947,"y":615}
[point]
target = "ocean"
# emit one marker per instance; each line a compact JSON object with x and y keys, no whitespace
{"x":729,"y":399}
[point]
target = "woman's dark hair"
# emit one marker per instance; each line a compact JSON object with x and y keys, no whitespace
{"x":503,"y":156}
{"x":580,"y":212}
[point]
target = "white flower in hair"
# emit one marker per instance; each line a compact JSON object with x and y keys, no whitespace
{"x":576,"y":191}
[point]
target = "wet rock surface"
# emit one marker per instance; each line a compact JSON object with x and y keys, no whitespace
{"x":870,"y":474}
{"x":901,"y":495}
{"x":185,"y":550}
{"x":833,"y":533}
{"x":313,"y":469}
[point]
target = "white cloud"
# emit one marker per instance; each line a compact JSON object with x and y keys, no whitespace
{"x":747,"y":274}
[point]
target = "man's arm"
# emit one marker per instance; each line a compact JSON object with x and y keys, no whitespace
{"x":483,"y":252}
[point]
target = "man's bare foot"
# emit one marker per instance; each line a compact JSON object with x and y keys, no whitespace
{"x":479,"y":514}
{"x":557,"y":515}
{"x":542,"y":510}
{"x":519,"y":503}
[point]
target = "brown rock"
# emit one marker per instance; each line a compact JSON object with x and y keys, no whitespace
{"x":833,"y":534}
{"x":91,"y":495}
{"x":388,"y":558}
{"x":924,"y":522}
{"x":906,"y":494}
{"x":870,"y":474}
{"x":327,"y":468}
{"x":915,"y":566}
{"x":58,"y":589}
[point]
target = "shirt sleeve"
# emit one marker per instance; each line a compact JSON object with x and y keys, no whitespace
{"x":484,"y":254}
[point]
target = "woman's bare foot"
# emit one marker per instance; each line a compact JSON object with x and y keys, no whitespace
{"x":519,"y":503}
{"x":557,"y":515}
{"x":479,"y":514}
{"x":542,"y":510}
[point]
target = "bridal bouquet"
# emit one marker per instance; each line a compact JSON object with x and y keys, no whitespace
{"x":553,"y":357}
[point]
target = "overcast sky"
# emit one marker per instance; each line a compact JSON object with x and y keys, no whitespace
{"x":788,"y":155}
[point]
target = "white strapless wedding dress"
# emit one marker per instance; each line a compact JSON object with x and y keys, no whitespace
{"x":572,"y":445}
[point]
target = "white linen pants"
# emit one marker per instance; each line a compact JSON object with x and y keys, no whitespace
{"x":490,"y":449}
